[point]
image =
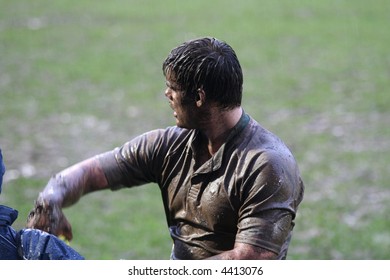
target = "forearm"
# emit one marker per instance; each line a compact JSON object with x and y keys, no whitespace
{"x":244,"y":251}
{"x":68,"y":186}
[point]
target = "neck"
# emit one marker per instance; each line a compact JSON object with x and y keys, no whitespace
{"x":217,"y":127}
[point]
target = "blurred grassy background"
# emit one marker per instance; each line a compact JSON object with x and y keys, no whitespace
{"x":80,"y":77}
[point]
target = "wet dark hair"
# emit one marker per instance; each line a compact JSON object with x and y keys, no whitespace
{"x":208,"y":64}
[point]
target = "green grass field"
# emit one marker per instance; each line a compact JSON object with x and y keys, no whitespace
{"x":81,"y":77}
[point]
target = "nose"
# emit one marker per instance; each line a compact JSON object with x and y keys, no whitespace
{"x":168,"y":93}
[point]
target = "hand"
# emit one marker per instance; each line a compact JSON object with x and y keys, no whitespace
{"x":49,"y":217}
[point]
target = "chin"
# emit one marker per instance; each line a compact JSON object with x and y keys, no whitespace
{"x":182,"y":125}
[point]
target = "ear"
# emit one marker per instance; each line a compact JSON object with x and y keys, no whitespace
{"x":200,"y":97}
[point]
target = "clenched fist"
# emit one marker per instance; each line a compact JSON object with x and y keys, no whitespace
{"x":49,"y":217}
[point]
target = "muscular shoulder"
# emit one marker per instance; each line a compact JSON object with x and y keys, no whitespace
{"x":163,"y":140}
{"x":258,"y":143}
{"x":266,"y":161}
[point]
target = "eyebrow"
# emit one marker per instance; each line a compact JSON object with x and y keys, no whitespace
{"x":173,"y":86}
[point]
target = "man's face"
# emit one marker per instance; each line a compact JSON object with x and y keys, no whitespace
{"x":183,"y":110}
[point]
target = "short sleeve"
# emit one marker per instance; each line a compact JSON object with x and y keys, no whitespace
{"x":268,"y":205}
{"x":135,"y":163}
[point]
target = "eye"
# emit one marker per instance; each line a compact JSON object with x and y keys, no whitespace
{"x":172,"y":86}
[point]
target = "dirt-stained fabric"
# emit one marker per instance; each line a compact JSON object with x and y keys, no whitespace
{"x":30,"y":244}
{"x":248,"y":192}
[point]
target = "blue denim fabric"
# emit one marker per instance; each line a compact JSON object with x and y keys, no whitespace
{"x":29,"y":244}
{"x":2,"y":169}
{"x":8,"y":236}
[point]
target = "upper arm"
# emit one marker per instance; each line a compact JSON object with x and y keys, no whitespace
{"x":267,"y":205}
{"x":134,"y":163}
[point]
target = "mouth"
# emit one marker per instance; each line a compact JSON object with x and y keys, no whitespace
{"x":174,"y":112}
